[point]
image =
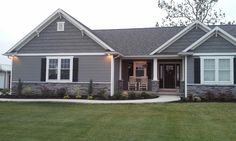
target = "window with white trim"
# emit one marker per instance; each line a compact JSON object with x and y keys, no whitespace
{"x":60,"y":26}
{"x":217,"y":70}
{"x":59,"y":69}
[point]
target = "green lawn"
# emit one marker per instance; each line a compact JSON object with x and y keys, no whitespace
{"x":148,"y":122}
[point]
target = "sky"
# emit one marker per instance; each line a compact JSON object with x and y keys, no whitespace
{"x":19,"y":17}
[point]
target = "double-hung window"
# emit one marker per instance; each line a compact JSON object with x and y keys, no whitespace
{"x":59,"y":69}
{"x":217,"y":70}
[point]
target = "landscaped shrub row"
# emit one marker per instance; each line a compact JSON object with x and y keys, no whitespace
{"x":209,"y":96}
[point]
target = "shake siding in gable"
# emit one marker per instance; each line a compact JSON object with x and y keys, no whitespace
{"x":215,"y":45}
{"x":185,"y":41}
{"x":69,"y":41}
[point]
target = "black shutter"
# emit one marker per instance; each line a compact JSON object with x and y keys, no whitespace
{"x":43,"y":69}
{"x":234,"y":70}
{"x":197,"y":71}
{"x":75,"y":69}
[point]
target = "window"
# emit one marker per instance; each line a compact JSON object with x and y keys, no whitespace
{"x":140,"y":68}
{"x":59,"y":69}
{"x":60,"y":26}
{"x":217,"y":70}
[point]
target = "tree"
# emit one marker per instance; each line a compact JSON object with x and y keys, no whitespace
{"x":188,"y":11}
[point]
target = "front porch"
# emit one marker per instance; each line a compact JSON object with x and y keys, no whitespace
{"x":160,"y":76}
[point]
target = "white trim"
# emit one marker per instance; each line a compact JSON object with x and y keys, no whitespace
{"x":112,"y":75}
{"x":181,"y":34}
{"x":155,"y":69}
{"x":63,"y":82}
{"x":63,"y":26}
{"x":216,"y":69}
{"x":49,"y":20}
{"x":214,"y":31}
{"x":59,"y":54}
{"x":214,"y":54}
{"x":185,"y":76}
{"x":120,"y":69}
{"x":151,"y":56}
{"x":59,"y":68}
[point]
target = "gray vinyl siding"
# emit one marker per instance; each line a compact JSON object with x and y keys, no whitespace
{"x":26,"y":68}
{"x":190,"y":70}
{"x":185,"y":41}
{"x":215,"y":45}
{"x":96,"y":68}
{"x":69,"y":41}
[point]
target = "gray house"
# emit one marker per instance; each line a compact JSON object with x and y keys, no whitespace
{"x":63,"y":52}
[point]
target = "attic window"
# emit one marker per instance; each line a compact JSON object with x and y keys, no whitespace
{"x":60,"y":26}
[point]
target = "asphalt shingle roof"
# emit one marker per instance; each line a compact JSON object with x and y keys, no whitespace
{"x":142,"y":41}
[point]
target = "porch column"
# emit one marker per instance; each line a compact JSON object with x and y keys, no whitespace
{"x":155,"y":82}
{"x":120,"y":82}
{"x":155,"y":69}
{"x":185,"y":76}
{"x":120,"y":69}
{"x":112,"y":75}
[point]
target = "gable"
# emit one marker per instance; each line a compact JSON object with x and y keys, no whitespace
{"x":69,"y":41}
{"x":189,"y":38}
{"x":215,"y":44}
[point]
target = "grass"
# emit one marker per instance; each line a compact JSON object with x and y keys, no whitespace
{"x":148,"y":122}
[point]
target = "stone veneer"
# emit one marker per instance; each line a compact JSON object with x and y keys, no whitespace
{"x":216,"y":89}
{"x":181,"y":87}
{"x":71,"y":87}
{"x":155,"y":86}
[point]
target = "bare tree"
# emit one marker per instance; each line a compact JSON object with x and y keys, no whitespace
{"x":188,"y":11}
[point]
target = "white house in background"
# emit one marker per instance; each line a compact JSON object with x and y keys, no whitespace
{"x":5,"y":76}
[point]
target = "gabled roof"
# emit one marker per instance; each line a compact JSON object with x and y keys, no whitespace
{"x":137,"y":41}
{"x":50,"y":19}
{"x":216,"y":31}
{"x":179,"y":35}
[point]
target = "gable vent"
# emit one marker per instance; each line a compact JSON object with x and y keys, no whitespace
{"x":60,"y":26}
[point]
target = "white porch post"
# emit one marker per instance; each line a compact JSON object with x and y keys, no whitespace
{"x":120,"y":69}
{"x":112,"y":75}
{"x":155,"y":69}
{"x":183,"y":70}
{"x":185,"y":76}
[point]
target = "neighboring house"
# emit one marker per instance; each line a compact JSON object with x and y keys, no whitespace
{"x":5,"y":76}
{"x":62,"y":52}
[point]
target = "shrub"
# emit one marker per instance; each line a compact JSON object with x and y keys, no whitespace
{"x":124,"y":95}
{"x":102,"y":94}
{"x":90,"y":88}
{"x":78,"y":96}
{"x":19,"y":87}
{"x":209,"y":96}
{"x":132,"y":95}
{"x":61,"y":92}
{"x":117,"y":96}
{"x":224,"y":97}
{"x":27,"y":91}
{"x":45,"y":91}
{"x":66,"y":97}
{"x":5,"y":91}
{"x":90,"y":97}
{"x":77,"y":91}
{"x":145,"y":95}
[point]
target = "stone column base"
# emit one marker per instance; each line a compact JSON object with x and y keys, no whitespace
{"x":155,"y":86}
{"x":182,"y":85}
{"x":120,"y":85}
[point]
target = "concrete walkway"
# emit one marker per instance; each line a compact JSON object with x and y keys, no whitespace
{"x":160,"y":99}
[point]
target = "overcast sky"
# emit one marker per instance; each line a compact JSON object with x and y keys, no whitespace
{"x":19,"y":17}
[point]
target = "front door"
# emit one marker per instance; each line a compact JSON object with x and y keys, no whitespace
{"x":169,"y":76}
